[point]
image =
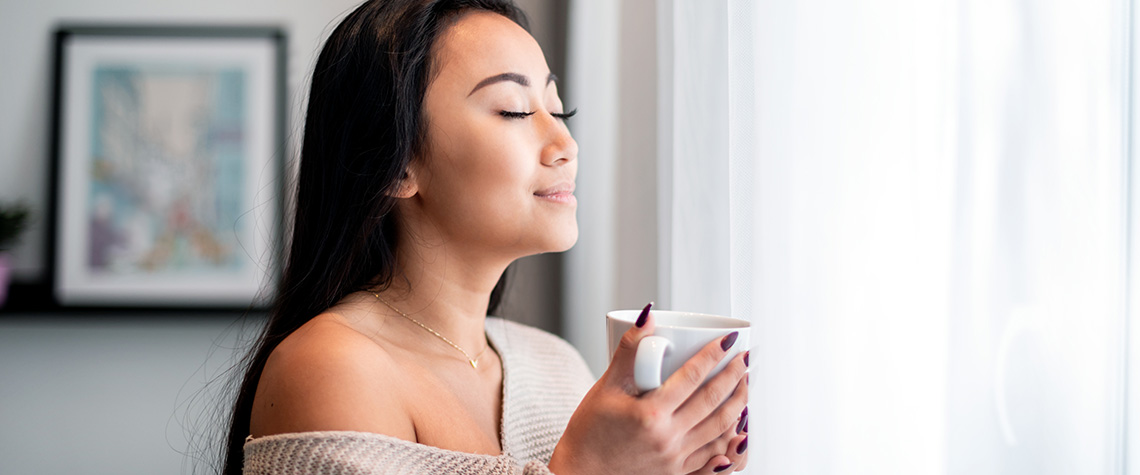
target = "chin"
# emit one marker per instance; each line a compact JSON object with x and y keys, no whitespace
{"x":569,"y":242}
{"x":561,"y":238}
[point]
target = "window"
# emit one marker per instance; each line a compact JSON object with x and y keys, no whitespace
{"x":924,"y":208}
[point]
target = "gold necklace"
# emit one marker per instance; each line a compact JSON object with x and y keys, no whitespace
{"x":474,"y":361}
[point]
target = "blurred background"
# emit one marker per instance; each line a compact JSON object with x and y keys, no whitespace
{"x":925,"y":208}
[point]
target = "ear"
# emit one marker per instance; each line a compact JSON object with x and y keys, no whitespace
{"x":407,"y":187}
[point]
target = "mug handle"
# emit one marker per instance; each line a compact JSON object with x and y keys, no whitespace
{"x":647,"y":364}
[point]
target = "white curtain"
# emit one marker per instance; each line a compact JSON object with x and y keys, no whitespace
{"x":923,"y":208}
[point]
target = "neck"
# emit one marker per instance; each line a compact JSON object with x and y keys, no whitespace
{"x":444,"y":289}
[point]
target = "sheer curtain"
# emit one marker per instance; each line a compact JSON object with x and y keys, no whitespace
{"x":923,"y":208}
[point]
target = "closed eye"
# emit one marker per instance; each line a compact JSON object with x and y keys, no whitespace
{"x":515,"y":115}
{"x":564,"y":115}
{"x":523,"y":115}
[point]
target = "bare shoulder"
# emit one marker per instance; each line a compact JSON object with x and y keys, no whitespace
{"x":327,"y":376}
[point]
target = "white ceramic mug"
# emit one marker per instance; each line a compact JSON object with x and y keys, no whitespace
{"x":676,"y":338}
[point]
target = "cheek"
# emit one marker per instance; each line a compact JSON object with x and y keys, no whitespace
{"x":501,"y":189}
{"x":488,"y":166}
{"x":486,"y":182}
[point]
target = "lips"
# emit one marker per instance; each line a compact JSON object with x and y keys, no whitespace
{"x":560,"y":193}
{"x":559,"y":189}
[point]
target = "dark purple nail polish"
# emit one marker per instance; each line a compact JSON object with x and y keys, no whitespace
{"x":743,"y":446}
{"x":722,"y":467}
{"x":743,"y":421}
{"x":745,"y":426}
{"x":746,"y":358}
{"x":728,"y":340}
{"x":644,"y":316}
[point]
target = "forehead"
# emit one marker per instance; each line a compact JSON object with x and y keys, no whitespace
{"x":482,"y":44}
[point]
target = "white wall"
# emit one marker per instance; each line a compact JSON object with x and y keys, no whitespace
{"x":115,"y":396}
{"x":612,"y":71}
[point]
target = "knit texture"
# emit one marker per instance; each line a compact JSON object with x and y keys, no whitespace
{"x":544,"y":379}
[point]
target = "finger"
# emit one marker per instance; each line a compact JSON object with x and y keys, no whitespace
{"x":692,"y":374}
{"x":714,"y":393}
{"x":715,"y":465}
{"x":718,"y":446}
{"x":742,"y":464}
{"x":621,"y":364}
{"x":737,"y":449}
{"x":727,"y":435}
{"x":732,"y":414}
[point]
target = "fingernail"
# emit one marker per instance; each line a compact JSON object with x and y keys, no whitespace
{"x":746,"y":358}
{"x":728,"y":340}
{"x":743,"y":446}
{"x":644,"y":316}
{"x":745,"y":426}
{"x":722,"y":467}
{"x":743,"y":421}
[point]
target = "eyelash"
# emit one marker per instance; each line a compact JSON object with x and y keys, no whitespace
{"x":523,"y":115}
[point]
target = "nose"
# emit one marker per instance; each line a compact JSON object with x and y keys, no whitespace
{"x":559,"y":148}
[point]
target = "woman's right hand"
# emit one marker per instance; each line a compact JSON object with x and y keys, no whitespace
{"x":681,"y":427}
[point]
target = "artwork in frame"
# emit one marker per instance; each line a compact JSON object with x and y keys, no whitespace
{"x":168,"y":145}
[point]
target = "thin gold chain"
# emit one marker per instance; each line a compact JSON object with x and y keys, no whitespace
{"x":474,"y":361}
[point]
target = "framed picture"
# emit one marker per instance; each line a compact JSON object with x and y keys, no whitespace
{"x":168,"y":152}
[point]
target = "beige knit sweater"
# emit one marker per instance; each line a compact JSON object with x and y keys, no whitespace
{"x":544,"y":379}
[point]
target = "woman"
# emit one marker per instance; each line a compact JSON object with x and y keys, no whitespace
{"x":435,"y":153}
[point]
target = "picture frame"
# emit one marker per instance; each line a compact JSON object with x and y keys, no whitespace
{"x":168,"y":152}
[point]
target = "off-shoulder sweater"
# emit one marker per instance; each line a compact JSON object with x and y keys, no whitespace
{"x":544,"y":379}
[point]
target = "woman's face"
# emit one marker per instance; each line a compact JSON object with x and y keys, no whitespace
{"x":498,"y":170}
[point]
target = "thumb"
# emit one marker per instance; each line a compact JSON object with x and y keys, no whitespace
{"x":621,"y":365}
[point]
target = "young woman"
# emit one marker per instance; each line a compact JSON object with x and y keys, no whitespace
{"x":436,"y":153}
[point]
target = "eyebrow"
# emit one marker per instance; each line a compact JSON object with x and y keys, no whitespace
{"x":512,"y":77}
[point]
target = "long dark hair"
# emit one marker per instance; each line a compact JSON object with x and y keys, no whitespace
{"x":363,"y":127}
